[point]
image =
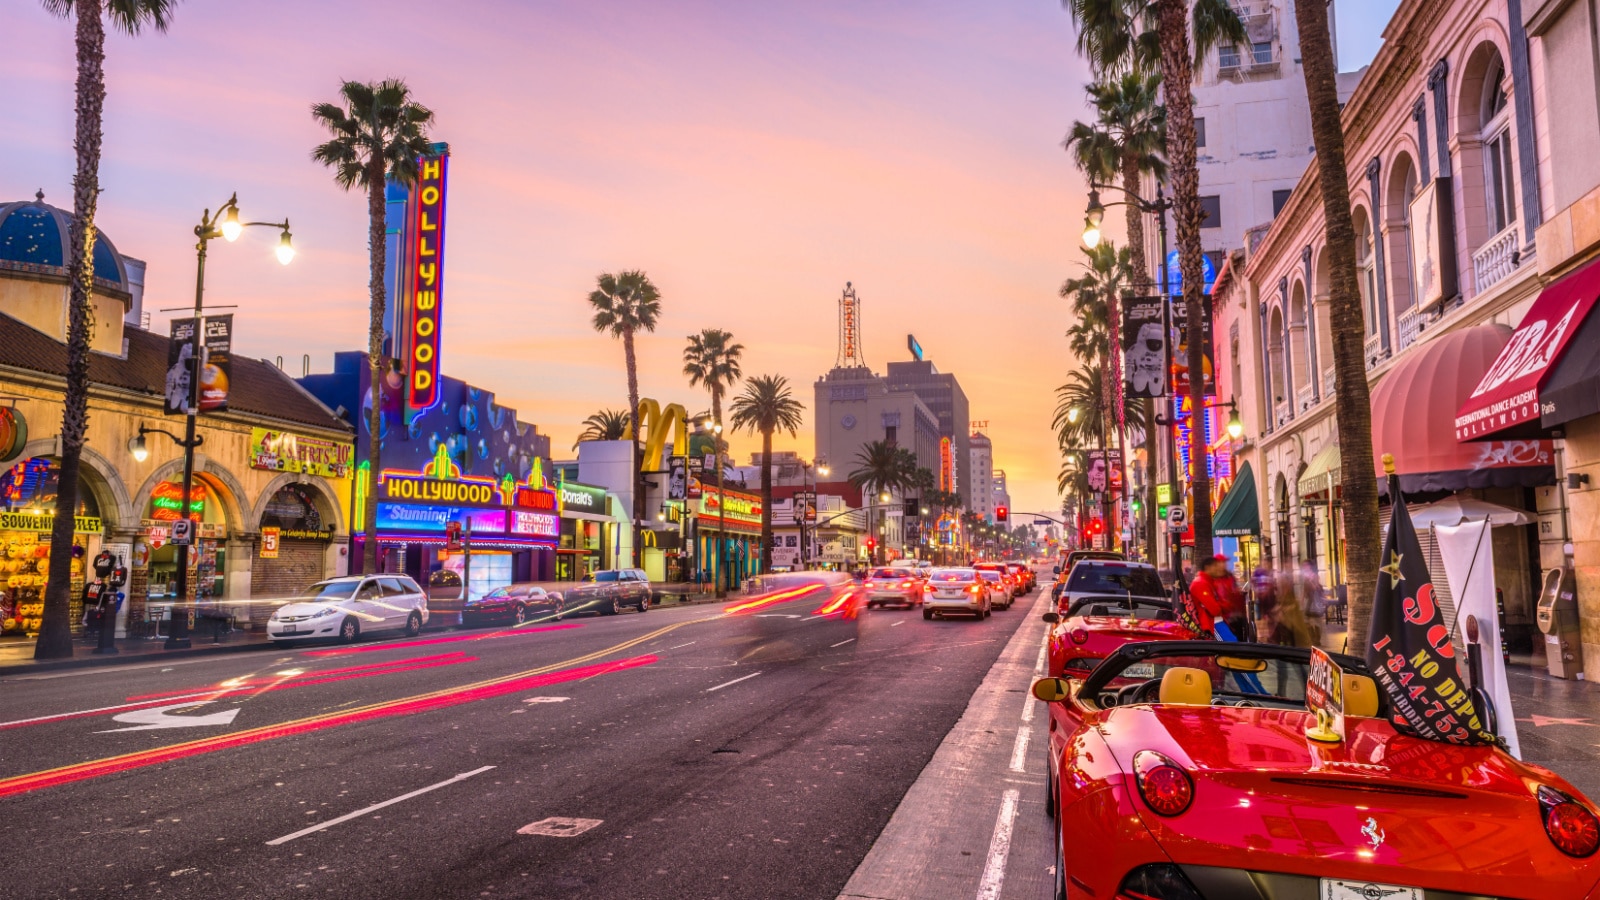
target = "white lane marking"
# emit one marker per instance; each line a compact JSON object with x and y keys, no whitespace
{"x":1019,"y":750}
{"x":558,"y":826}
{"x":375,"y":807}
{"x":841,"y":643}
{"x":1038,"y":667}
{"x":735,"y":681}
{"x":898,"y":623}
{"x":156,"y":717}
{"x":680,"y":646}
{"x":98,"y":670}
{"x":547,"y":700}
{"x":994,"y":872}
{"x":776,"y":616}
{"x":1028,"y":704}
{"x":89,"y":712}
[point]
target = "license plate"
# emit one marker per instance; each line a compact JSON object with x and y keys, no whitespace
{"x":1140,"y":670}
{"x":289,"y":631}
{"x":1338,"y":889}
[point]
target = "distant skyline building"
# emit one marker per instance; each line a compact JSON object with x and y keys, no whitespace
{"x":942,"y":393}
{"x":1002,"y":496}
{"x":981,"y":457}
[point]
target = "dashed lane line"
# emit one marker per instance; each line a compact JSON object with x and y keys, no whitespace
{"x":375,"y":807}
{"x":994,"y":872}
{"x":733,"y":682}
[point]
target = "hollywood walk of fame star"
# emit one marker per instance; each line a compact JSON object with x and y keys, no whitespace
{"x":1541,"y":721}
{"x":1393,"y":568}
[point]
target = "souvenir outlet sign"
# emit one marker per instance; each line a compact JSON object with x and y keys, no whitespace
{"x":282,"y":451}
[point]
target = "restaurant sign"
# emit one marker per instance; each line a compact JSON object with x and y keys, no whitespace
{"x":281,"y":451}
{"x":582,"y":498}
{"x":739,"y":508}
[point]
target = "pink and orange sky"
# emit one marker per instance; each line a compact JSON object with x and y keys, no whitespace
{"x":751,"y":156}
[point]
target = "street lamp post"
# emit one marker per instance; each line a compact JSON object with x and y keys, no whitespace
{"x":802,"y":510}
{"x":226,"y":225}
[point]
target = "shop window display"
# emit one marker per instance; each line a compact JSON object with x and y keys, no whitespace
{"x":207,"y":558}
{"x":27,"y":514}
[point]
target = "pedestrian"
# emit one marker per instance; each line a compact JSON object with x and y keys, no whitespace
{"x":1217,"y":600}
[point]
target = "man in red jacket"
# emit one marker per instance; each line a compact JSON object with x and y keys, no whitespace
{"x":1217,"y":597}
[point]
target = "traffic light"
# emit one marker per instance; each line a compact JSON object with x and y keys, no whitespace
{"x":1097,"y":526}
{"x":1001,"y":513}
{"x":872,"y":544}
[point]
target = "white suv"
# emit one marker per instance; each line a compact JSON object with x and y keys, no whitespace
{"x":348,"y":607}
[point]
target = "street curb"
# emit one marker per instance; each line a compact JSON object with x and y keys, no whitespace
{"x":85,"y":657}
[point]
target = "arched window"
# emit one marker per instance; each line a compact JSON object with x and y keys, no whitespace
{"x":1499,"y":174}
{"x":1366,"y":263}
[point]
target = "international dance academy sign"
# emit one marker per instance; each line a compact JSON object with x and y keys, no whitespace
{"x":425,"y":286}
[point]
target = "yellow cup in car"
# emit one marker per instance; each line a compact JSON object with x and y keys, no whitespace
{"x":1051,"y":690}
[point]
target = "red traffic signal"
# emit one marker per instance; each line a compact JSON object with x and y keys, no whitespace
{"x":872,"y":543}
{"x":1001,"y":513}
{"x":1097,"y":526}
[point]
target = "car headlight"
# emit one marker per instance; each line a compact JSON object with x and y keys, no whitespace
{"x":325,"y":611}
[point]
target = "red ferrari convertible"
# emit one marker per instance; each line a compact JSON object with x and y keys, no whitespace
{"x":1094,"y":627}
{"x":1181,"y":770}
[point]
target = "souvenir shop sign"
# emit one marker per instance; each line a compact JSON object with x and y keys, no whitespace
{"x":282,"y":451}
{"x":536,"y":524}
{"x":271,"y":538}
{"x":535,"y":498}
{"x":421,"y":489}
{"x":739,"y":507}
{"x":45,"y":522}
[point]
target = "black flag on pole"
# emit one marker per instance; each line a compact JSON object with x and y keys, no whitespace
{"x":1409,"y":648}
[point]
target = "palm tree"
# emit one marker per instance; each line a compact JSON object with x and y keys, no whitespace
{"x":1106,"y":276}
{"x":1119,"y":36}
{"x":1125,"y":143}
{"x":1352,"y":407}
{"x":605,"y":425}
{"x":129,"y":16}
{"x":882,"y":468}
{"x":624,"y":305}
{"x":767,"y":405}
{"x":379,"y":133}
{"x":711,"y":360}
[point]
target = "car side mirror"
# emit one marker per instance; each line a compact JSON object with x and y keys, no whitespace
{"x":1051,"y":690}
{"x":1056,"y":570}
{"x":1051,"y":617}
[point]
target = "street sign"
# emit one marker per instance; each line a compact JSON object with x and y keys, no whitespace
{"x":1177,"y":518}
{"x":182,"y":532}
{"x":1042,"y":522}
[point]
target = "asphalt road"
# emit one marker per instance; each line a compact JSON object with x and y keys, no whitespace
{"x":693,"y":752}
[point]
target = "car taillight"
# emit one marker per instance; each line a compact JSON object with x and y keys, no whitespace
{"x":1079,"y":635}
{"x":974,"y":589}
{"x":1161,"y":881}
{"x":1570,"y":825}
{"x":1166,"y":788}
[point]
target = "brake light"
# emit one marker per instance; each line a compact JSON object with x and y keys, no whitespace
{"x":1166,"y":788}
{"x":1079,"y":635}
{"x":975,"y":589}
{"x":1570,"y":825}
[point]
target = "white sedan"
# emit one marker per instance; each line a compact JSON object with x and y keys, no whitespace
{"x":957,"y":590}
{"x":346,"y":608}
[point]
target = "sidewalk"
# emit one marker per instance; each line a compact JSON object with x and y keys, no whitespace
{"x":16,"y":656}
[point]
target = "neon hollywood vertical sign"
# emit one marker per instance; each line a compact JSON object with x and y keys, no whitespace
{"x":427,"y":278}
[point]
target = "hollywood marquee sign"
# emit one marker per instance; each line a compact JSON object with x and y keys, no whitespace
{"x":420,"y":489}
{"x":425,"y":288}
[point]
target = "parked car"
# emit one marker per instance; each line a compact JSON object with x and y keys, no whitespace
{"x":346,"y":608}
{"x":1004,"y":590}
{"x":608,"y":592}
{"x":894,"y":585}
{"x":1093,"y":627}
{"x":957,"y":590}
{"x":515,"y":603}
{"x":1030,"y":578}
{"x":1182,"y":769}
{"x":1012,"y":587}
{"x":1112,"y":581}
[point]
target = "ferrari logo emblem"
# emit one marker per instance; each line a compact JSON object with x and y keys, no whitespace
{"x":1393,"y":568}
{"x":1373,"y":832}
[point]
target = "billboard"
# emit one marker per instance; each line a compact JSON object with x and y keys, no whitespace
{"x":216,"y":363}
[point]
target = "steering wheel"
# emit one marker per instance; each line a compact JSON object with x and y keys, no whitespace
{"x":1149,"y":692}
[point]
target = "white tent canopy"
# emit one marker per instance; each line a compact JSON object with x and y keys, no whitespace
{"x":1455,"y":510}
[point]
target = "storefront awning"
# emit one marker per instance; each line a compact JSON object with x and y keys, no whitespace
{"x":1573,"y":389}
{"x":1323,"y":471}
{"x":1414,"y":407}
{"x":1505,"y":401}
{"x":1239,"y":515}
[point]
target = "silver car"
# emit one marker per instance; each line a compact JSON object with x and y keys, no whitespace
{"x":957,"y":590}
{"x":893,"y":585}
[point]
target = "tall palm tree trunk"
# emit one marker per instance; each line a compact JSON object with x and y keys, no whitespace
{"x":638,"y":435}
{"x":1136,"y":258}
{"x":55,"y":632}
{"x":722,"y":498}
{"x":766,"y":500}
{"x":376,"y":259}
{"x":1352,"y":405}
{"x":1172,"y":26}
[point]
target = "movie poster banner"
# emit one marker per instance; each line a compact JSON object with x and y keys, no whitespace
{"x":1144,"y":348}
{"x":216,"y":363}
{"x":1409,"y":648}
{"x":1180,"y":352}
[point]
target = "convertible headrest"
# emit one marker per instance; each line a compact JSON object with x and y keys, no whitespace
{"x":1360,"y":696}
{"x":1183,"y":686}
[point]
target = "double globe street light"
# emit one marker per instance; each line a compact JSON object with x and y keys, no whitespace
{"x":225,"y":224}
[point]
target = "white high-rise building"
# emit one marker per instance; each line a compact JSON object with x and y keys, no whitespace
{"x":982,"y":466}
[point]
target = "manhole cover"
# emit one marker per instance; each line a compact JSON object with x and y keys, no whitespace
{"x":557,"y":826}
